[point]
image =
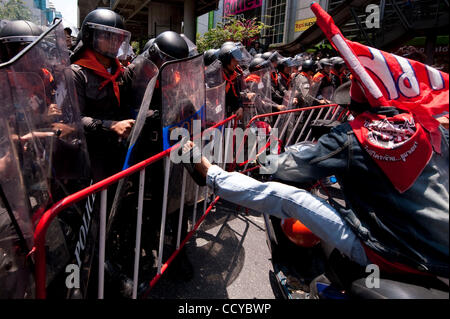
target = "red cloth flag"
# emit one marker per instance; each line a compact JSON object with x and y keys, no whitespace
{"x":384,"y":79}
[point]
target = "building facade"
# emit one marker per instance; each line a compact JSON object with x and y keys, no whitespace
{"x":288,"y":18}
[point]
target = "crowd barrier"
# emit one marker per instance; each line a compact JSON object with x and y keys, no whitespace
{"x":332,"y":112}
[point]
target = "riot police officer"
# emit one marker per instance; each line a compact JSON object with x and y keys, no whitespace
{"x":339,"y":72}
{"x":322,"y":84}
{"x":230,"y":55}
{"x":102,"y":86}
{"x":303,"y":83}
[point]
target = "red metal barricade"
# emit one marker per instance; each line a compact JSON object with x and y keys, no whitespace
{"x":49,"y":215}
{"x":39,"y":251}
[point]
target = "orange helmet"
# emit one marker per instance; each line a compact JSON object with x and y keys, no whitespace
{"x":298,"y":233}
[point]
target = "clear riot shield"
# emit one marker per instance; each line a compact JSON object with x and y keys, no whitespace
{"x":43,"y":150}
{"x":259,"y":97}
{"x":215,"y":94}
{"x":144,"y":81}
{"x":246,"y":56}
{"x":285,"y":122}
{"x":183,"y":102}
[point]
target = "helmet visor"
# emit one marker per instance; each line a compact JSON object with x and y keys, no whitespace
{"x":108,"y":40}
{"x":246,"y":56}
{"x":160,"y":55}
{"x":236,"y":53}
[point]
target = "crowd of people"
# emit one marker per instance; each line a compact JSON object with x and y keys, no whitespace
{"x":404,"y":231}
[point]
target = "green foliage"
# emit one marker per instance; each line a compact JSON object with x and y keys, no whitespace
{"x":14,"y":10}
{"x":231,"y":29}
{"x":136,"y":47}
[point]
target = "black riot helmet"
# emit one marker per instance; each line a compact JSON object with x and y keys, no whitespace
{"x":210,"y":56}
{"x":228,"y":43}
{"x":103,"y":31}
{"x":309,"y":66}
{"x":148,"y":44}
{"x":325,"y":62}
{"x":258,"y":64}
{"x":15,"y":36}
{"x":228,"y":51}
{"x":168,"y":46}
{"x":337,"y":62}
{"x":266,"y":55}
{"x":285,"y":63}
{"x":271,"y":56}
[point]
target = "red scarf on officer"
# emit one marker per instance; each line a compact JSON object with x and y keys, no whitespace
{"x":89,"y":61}
{"x":274,"y":77}
{"x":230,"y":82}
{"x":288,"y":80}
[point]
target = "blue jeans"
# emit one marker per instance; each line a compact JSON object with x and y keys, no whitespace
{"x":284,"y":201}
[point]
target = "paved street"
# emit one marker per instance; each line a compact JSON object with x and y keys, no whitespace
{"x":230,"y":257}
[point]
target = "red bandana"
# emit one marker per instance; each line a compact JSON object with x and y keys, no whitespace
{"x":274,"y":77}
{"x":253,"y":78}
{"x":399,"y":145}
{"x":89,"y":61}
{"x":230,"y":82}
{"x":288,"y":80}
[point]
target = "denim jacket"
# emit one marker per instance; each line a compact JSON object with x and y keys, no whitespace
{"x":410,"y":228}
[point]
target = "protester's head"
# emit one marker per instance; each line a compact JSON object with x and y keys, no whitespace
{"x":168,"y":46}
{"x":104,"y":32}
{"x":15,"y":36}
{"x":230,"y":55}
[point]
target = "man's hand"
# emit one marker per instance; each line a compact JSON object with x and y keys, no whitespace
{"x":64,"y":129}
{"x":123,"y":128}
{"x":239,"y":113}
{"x":200,"y":169}
{"x":280,"y":107}
{"x":251,"y":95}
{"x":53,"y":110}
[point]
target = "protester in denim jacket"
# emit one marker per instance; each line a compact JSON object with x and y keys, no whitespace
{"x":404,"y":232}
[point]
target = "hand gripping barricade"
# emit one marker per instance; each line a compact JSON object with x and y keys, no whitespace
{"x":43,"y":158}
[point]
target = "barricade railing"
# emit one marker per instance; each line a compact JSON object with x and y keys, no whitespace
{"x":334,"y":112}
{"x":39,"y":251}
